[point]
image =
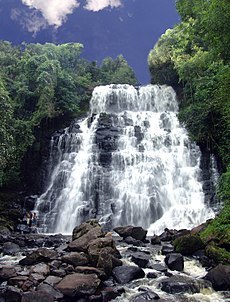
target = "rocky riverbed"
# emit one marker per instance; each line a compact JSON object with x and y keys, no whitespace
{"x":92,"y":265}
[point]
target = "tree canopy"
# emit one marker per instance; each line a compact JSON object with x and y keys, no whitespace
{"x":40,"y":82}
{"x":195,"y":55}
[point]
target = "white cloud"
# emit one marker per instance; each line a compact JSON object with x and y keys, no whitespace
{"x":45,"y":13}
{"x":32,"y":21}
{"x":97,"y":5}
{"x":53,"y":11}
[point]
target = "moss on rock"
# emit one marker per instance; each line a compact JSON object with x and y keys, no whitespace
{"x":188,"y":244}
{"x":219,"y":255}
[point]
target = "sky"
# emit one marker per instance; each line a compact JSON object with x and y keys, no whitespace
{"x":104,"y":27}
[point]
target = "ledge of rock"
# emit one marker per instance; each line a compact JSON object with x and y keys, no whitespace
{"x":137,"y":233}
{"x":76,"y":285}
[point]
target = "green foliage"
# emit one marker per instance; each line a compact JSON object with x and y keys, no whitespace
{"x":41,"y":82}
{"x":117,"y":71}
{"x":218,"y":254}
{"x":188,"y":244}
{"x":196,"y":52}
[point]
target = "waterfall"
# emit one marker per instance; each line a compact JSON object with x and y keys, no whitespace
{"x":129,"y":162}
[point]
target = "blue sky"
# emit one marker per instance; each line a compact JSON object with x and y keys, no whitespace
{"x":104,"y":27}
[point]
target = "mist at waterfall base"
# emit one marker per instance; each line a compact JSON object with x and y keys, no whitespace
{"x":129,"y":163}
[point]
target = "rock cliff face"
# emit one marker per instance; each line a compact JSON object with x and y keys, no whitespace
{"x":34,"y":166}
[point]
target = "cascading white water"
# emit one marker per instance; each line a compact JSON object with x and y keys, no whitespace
{"x":134,"y":165}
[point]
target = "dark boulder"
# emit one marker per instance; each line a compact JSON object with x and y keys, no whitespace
{"x":76,"y":285}
{"x":137,"y":233}
{"x":141,"y":259}
{"x":181,"y":284}
{"x":124,"y":274}
{"x":188,"y":244}
{"x":152,"y":275}
{"x":219,"y":277}
{"x":175,"y":261}
{"x":40,"y":255}
{"x":133,"y":241}
{"x":10,"y":294}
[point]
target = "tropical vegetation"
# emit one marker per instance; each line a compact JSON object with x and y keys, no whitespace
{"x":39,"y":83}
{"x":194,"y":57}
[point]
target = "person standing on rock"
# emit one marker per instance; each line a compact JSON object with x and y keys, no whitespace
{"x":34,"y":219}
{"x":28,"y":218}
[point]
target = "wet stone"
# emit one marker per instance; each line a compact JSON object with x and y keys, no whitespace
{"x":167,"y":248}
{"x":37,"y":297}
{"x":6,"y":273}
{"x":124,"y":274}
{"x":159,"y":267}
{"x":141,"y":259}
{"x":175,"y":261}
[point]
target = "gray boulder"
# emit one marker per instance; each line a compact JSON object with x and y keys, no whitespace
{"x":97,"y":245}
{"x":10,"y":248}
{"x":84,"y":228}
{"x":146,"y":295}
{"x":37,"y":297}
{"x":81,"y":244}
{"x":7,"y":273}
{"x":167,"y":248}
{"x":46,"y":288}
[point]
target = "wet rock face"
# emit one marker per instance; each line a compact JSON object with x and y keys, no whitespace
{"x":137,"y":233}
{"x":141,"y":259}
{"x":106,"y":137}
{"x":146,"y":295}
{"x":219,"y":277}
{"x":175,"y":261}
{"x":181,"y":284}
{"x":124,"y":274}
{"x":76,"y":285}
